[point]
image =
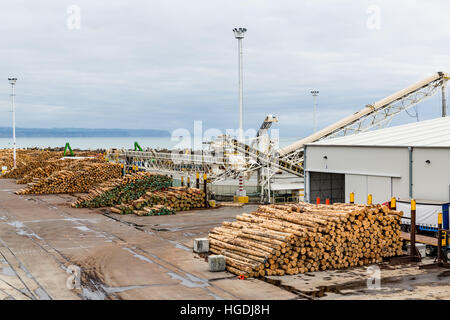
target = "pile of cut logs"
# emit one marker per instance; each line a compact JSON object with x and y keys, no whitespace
{"x":48,"y":167}
{"x":299,"y":238}
{"x":122,"y":190}
{"x":27,"y":160}
{"x":174,"y":198}
{"x":80,"y":177}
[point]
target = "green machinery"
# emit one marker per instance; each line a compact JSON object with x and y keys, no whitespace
{"x":137,"y":147}
{"x":67,"y":147}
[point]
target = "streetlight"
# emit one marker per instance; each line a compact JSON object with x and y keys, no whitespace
{"x":239,"y":35}
{"x":12,"y":82}
{"x":315,"y":93}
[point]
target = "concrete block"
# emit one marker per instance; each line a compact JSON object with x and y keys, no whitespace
{"x":420,"y":247}
{"x":201,"y":245}
{"x":216,"y":263}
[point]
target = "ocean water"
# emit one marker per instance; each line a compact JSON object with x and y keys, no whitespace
{"x":90,"y":143}
{"x":104,"y":143}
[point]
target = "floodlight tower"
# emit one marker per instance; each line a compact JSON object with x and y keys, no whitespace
{"x":239,"y":35}
{"x":12,"y":82}
{"x":315,"y":93}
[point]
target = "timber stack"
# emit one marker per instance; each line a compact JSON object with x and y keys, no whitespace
{"x":47,"y":169}
{"x":299,"y":238}
{"x":174,"y":199}
{"x":78,"y":178}
{"x":27,"y":160}
{"x":122,"y":190}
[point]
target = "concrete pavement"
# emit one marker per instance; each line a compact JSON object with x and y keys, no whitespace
{"x":119,"y":257}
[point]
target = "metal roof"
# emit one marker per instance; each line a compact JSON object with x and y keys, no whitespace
{"x":429,"y":133}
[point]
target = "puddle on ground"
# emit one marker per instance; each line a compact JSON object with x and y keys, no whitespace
{"x":141,"y":257}
{"x":83,"y":228}
{"x":8,"y":271}
{"x":180,"y":246}
{"x":42,"y":294}
{"x":20,"y":230}
{"x":190,"y":283}
{"x":24,"y":269}
{"x":92,"y":295}
{"x":16,"y":224}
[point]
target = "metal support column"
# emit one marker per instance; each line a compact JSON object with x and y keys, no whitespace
{"x":444,"y":100}
{"x":413,"y":249}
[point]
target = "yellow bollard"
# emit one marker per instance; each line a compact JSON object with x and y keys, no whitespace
{"x":440,"y":238}
{"x":369,"y":199}
{"x":352,"y":197}
{"x":394,"y":203}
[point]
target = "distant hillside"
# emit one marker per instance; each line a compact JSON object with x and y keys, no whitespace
{"x":6,"y":132}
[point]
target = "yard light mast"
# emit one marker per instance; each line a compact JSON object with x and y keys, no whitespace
{"x":315,"y":93}
{"x":12,"y":81}
{"x":239,"y":35}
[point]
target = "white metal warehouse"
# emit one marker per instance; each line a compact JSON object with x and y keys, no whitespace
{"x":408,"y":161}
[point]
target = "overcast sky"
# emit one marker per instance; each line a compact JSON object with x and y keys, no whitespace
{"x":162,"y":64}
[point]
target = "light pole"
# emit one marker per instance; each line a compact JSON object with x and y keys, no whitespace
{"x":239,"y":35}
{"x":315,"y":93}
{"x":12,"y":81}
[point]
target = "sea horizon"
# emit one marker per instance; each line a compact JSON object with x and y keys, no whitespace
{"x":93,"y":143}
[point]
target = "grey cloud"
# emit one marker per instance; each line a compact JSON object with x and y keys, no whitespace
{"x":163,"y":64}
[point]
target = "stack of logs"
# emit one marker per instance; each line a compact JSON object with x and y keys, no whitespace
{"x":122,"y":190}
{"x":27,"y":160}
{"x":80,"y":177}
{"x":299,"y":238}
{"x":174,"y":198}
{"x":47,"y":169}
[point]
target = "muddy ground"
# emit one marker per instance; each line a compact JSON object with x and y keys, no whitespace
{"x":45,"y":244}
